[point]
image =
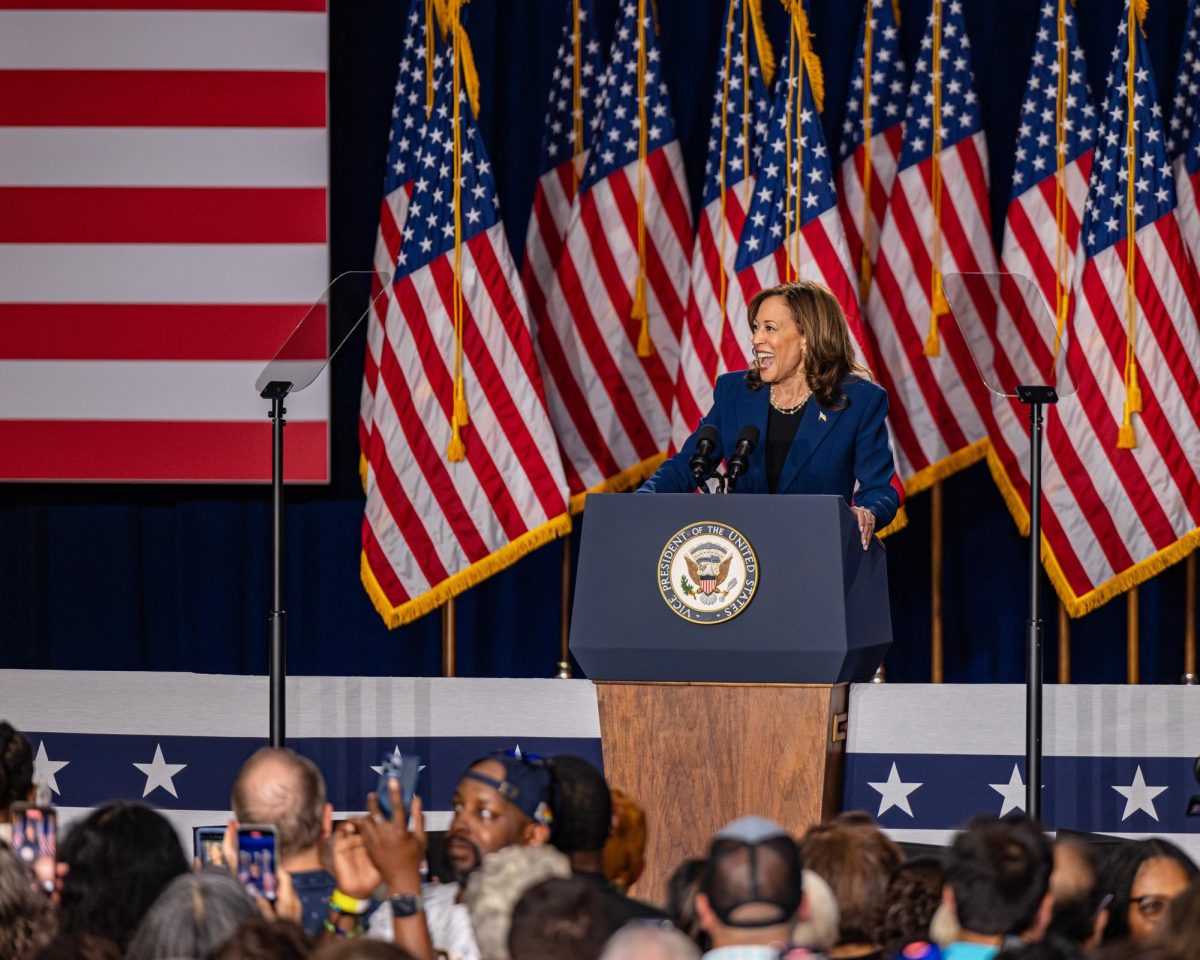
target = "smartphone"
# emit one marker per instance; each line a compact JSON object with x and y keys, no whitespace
{"x":35,"y":841}
{"x":398,"y":766}
{"x":257,"y":859}
{"x":208,"y":846}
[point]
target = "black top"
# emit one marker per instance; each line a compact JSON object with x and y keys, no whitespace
{"x":781,"y":431}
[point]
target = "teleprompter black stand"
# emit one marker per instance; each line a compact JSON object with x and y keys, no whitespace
{"x":1000,"y":316}
{"x":1035,"y":397}
{"x":303,"y":357}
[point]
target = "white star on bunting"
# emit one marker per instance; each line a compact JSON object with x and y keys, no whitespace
{"x":1139,"y":796}
{"x":894,"y":793}
{"x":395,"y":756}
{"x":44,"y":768}
{"x":1013,"y":792}
{"x":159,"y":773}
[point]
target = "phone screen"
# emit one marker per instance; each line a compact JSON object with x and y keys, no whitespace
{"x":35,"y":841}
{"x":256,"y":860}
{"x":208,"y":846}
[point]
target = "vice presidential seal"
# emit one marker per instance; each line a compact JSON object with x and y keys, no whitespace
{"x":707,"y":572}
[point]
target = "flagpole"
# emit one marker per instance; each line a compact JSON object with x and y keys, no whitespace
{"x":1189,"y":620}
{"x":937,"y":652}
{"x":564,"y":638}
{"x":1131,"y":637}
{"x":1064,"y":644}
{"x":448,"y":630}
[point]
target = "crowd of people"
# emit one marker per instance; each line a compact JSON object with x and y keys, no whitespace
{"x":537,"y":864}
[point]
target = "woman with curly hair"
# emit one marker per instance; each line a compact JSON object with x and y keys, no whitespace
{"x":819,"y":416}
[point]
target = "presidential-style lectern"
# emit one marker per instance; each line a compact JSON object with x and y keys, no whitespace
{"x":721,"y":632}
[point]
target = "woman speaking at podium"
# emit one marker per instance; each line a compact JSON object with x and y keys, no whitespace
{"x":818,"y":413}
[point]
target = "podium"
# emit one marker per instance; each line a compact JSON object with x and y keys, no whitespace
{"x":721,"y":633}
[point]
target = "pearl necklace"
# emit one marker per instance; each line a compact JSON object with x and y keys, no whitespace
{"x":788,"y":411}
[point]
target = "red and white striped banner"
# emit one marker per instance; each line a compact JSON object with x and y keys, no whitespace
{"x":163,"y":176}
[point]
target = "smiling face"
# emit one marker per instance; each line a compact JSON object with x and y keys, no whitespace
{"x":778,"y":343}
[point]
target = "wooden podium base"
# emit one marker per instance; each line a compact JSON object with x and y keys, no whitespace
{"x":697,"y":755}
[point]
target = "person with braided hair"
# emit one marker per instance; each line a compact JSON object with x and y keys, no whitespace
{"x":16,"y":774}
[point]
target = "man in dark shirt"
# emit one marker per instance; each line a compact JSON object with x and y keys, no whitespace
{"x":582,"y":820}
{"x":282,"y":788}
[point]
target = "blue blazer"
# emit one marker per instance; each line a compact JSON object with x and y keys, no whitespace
{"x":832,"y":448}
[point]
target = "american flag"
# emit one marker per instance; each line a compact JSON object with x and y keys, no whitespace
{"x":404,"y":141}
{"x":936,"y":223}
{"x":435,"y":524}
{"x":618,"y":373}
{"x":874,"y":102}
{"x":1183,"y":142}
{"x":554,"y":196}
{"x":793,"y":231}
{"x":715,"y":338}
{"x":1124,"y":483}
{"x":1032,"y":246}
{"x":164,"y":181}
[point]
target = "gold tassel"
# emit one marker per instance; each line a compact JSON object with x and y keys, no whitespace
{"x":939,"y":308}
{"x":461,"y":417}
{"x":639,"y":311}
{"x":1126,"y":439}
{"x":933,"y":347}
{"x":456,"y":452}
{"x":1133,"y":395}
{"x":864,"y":275}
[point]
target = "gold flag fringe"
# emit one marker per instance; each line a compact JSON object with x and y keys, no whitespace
{"x":1077,"y":605}
{"x":947,"y":466}
{"x":627,"y":479}
{"x":462,"y":581}
{"x":766,"y":53}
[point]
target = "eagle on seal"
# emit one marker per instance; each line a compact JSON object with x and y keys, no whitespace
{"x":708,"y":573}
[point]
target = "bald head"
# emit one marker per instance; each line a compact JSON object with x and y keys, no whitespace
{"x":282,"y":788}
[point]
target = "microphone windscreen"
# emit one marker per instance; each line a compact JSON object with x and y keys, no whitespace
{"x":708,"y":432}
{"x":749,"y":435}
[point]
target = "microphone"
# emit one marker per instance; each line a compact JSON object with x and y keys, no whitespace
{"x":706,"y":443}
{"x":746,"y":442}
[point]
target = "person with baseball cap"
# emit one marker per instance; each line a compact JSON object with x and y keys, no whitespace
{"x":752,"y":892}
{"x":502,"y":800}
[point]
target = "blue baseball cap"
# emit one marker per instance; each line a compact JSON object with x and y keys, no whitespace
{"x":527,"y":782}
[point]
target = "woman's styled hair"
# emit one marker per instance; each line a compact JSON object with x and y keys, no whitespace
{"x":828,"y":348}
{"x":1122,"y":869}
{"x":120,"y":858}
{"x":196,"y":915}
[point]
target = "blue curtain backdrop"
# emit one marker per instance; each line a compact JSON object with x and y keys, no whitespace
{"x":176,"y":578}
